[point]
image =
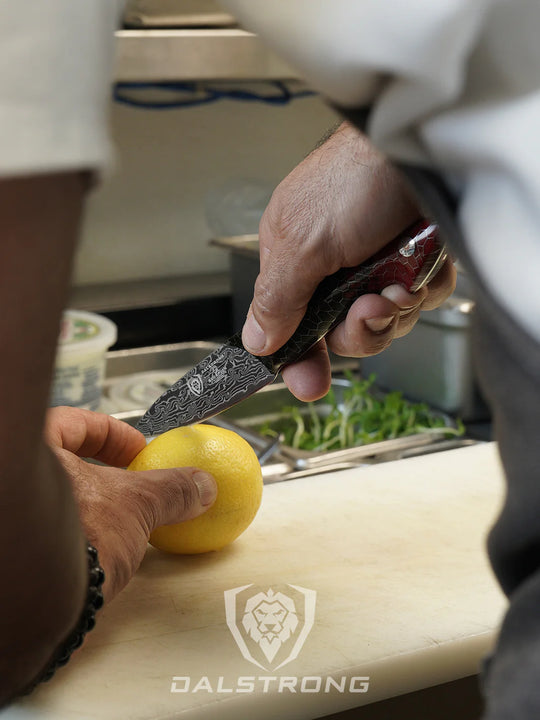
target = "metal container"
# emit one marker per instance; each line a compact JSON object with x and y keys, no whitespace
{"x":279,"y":462}
{"x":136,"y":377}
{"x":268,"y":405}
{"x":433,"y":362}
{"x":176,"y":13}
{"x":244,"y":268}
{"x":171,"y":356}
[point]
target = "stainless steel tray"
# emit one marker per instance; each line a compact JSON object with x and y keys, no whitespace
{"x":281,"y":462}
{"x":267,"y":406}
{"x":136,"y":377}
{"x":172,"y":356}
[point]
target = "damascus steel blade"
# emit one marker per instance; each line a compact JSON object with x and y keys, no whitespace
{"x":223,"y":378}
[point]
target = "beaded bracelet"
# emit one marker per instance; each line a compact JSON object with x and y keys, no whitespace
{"x":87,"y":620}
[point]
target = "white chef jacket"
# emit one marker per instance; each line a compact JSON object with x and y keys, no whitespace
{"x":55,"y":82}
{"x":452,"y":84}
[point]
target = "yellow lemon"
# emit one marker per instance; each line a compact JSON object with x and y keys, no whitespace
{"x":237,"y":471}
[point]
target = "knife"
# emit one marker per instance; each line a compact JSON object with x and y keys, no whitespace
{"x":230,"y":373}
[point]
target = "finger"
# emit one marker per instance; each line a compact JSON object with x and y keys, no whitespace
{"x":407,"y":321}
{"x":172,"y":495}
{"x":403,"y":299}
{"x":309,"y":378}
{"x":371,"y":325}
{"x":409,"y":305}
{"x":280,"y":299}
{"x":368,"y":328}
{"x":93,"y":435}
{"x":441,"y":287}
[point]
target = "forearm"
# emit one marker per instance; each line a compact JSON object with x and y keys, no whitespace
{"x":41,"y":545}
{"x":44,"y":571}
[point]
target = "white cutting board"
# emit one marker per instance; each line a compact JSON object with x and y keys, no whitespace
{"x":395,"y":553}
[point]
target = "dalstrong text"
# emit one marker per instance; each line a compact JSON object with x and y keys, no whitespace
{"x":270,"y":683}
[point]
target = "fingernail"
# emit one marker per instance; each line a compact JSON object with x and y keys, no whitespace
{"x":253,"y":335}
{"x":206,"y":485}
{"x":403,"y":299}
{"x":379,"y":325}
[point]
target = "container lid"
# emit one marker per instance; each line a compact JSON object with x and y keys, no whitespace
{"x":139,"y":390}
{"x":82,"y":331}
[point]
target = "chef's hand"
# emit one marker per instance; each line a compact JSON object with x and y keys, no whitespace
{"x":342,"y":204}
{"x":119,"y":509}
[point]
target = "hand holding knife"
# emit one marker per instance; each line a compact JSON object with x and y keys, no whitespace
{"x":231,"y":374}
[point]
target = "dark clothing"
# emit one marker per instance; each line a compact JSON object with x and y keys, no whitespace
{"x":507,"y":363}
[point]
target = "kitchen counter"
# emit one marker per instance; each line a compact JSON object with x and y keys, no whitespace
{"x":404,"y":597}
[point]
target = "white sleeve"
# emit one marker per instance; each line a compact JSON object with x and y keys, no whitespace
{"x":453,"y":85}
{"x":55,"y":76}
{"x":350,"y":49}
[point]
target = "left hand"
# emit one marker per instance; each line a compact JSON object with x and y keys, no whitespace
{"x":119,"y":509}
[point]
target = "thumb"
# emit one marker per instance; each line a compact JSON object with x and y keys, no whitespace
{"x":283,"y":289}
{"x":174,"y":495}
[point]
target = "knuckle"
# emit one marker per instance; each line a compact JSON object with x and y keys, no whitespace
{"x":274,"y":300}
{"x":264,"y":298}
{"x":273,"y":213}
{"x":377,"y":345}
{"x":363,"y":346}
{"x":281,"y":214}
{"x":182,"y":494}
{"x":171,"y":497}
{"x":406,"y":324}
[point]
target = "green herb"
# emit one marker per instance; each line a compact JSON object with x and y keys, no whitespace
{"x":363,"y":416}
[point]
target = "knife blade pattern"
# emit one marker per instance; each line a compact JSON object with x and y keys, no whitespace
{"x":222,"y":378}
{"x":231,"y":373}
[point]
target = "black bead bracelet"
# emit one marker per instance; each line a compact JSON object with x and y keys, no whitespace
{"x":87,"y":620}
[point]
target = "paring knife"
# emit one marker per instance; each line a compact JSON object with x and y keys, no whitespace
{"x":230,"y":373}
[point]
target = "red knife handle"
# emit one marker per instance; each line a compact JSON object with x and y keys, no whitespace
{"x":411,"y":260}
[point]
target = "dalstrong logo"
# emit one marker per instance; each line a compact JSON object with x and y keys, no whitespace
{"x":269,"y":625}
{"x":195,"y":384}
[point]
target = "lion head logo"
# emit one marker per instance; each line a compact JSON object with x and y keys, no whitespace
{"x":274,"y":624}
{"x":270,"y":619}
{"x":195,"y":384}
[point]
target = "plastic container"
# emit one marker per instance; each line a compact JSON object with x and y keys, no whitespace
{"x":80,"y":359}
